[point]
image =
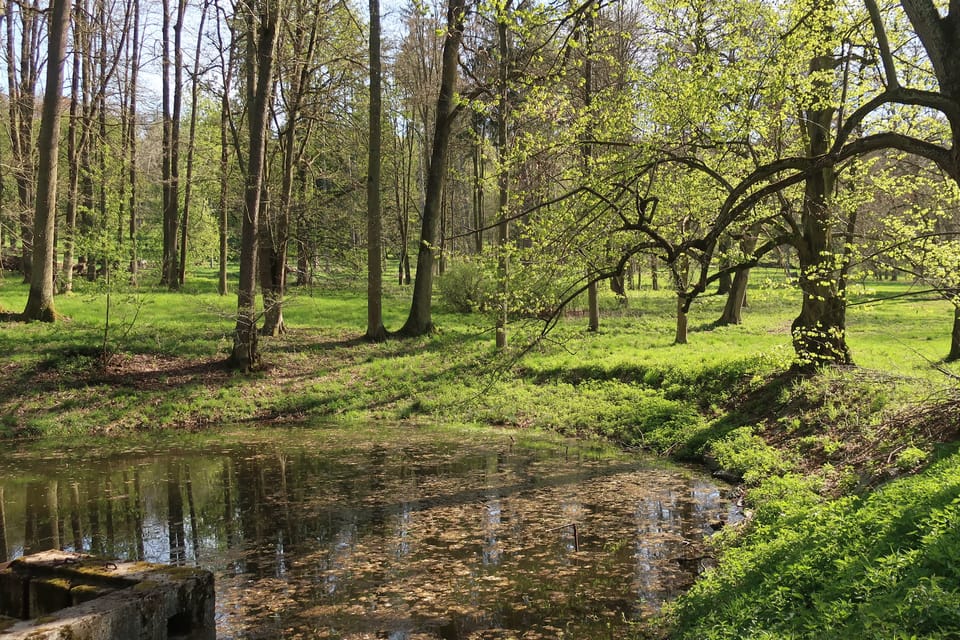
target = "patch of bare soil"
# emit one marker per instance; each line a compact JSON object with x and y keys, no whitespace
{"x":150,"y":372}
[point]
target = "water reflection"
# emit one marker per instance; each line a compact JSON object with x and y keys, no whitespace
{"x":313,"y":539}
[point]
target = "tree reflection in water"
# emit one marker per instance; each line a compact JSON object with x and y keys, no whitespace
{"x":312,"y":537}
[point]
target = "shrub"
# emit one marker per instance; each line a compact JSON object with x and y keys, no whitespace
{"x":465,"y":288}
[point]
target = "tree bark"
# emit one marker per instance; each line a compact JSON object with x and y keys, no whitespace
{"x":73,"y":190}
{"x":191,"y":145}
{"x":262,"y":19}
{"x":503,"y":177}
{"x":420,"y":321}
{"x":375,"y":329}
{"x":171,"y":144}
{"x":737,"y":293}
{"x":132,"y":171}
{"x":736,"y":296}
{"x":955,"y":335}
{"x":477,"y":193}
{"x":40,"y":300}
{"x":725,"y":282}
{"x":819,"y":332}
{"x":225,"y":122}
{"x":680,"y":337}
{"x":586,"y":151}
{"x":21,"y":109}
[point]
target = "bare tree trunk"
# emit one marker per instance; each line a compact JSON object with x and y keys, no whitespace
{"x":503,"y":178}
{"x":21,"y":116}
{"x":262,"y":19}
{"x":725,"y":282}
{"x":479,"y":133}
{"x":420,"y":321}
{"x":100,"y":149}
{"x":132,"y":172}
{"x":191,"y":144}
{"x":73,"y":190}
{"x":375,"y":329}
{"x":171,"y":143}
{"x":680,"y":337}
{"x":737,"y":292}
{"x":955,"y":335}
{"x":586,"y":150}
{"x":404,"y":204}
{"x":40,"y":300}
{"x":736,"y":297}
{"x":681,"y":278}
{"x":225,"y":127}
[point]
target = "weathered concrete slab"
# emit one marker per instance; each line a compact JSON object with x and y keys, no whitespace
{"x":56,"y":595}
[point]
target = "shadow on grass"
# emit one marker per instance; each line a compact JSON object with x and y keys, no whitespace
{"x":846,"y":567}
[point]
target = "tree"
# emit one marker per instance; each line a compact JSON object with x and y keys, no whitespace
{"x":21,"y":111}
{"x":261,"y":22}
{"x":40,"y":300}
{"x":375,"y":329}
{"x":226,"y":127}
{"x":172,"y":105}
{"x":191,"y":145}
{"x":420,"y":321}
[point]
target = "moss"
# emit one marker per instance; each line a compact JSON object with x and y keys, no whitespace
{"x":146,"y":585}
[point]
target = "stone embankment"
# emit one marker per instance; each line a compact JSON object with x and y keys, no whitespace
{"x":55,"y":595}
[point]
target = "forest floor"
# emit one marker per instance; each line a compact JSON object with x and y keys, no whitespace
{"x":852,"y":475}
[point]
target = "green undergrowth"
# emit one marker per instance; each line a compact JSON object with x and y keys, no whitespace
{"x":849,"y":474}
{"x":885,"y":564}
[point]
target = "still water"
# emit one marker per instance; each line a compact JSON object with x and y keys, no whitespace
{"x":399,"y":533}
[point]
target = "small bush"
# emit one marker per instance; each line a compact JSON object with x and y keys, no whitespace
{"x":465,"y":288}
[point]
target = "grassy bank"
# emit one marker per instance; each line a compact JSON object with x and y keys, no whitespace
{"x":850,"y":477}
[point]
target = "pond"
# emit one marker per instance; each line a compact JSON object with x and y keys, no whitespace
{"x":399,"y":532}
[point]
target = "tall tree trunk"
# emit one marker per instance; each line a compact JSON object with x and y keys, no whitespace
{"x":191,"y":145}
{"x":375,"y":329}
{"x":479,"y":133}
{"x":172,"y":102}
{"x":420,"y":320}
{"x":275,"y":220}
{"x":132,"y":171}
{"x":40,"y":300}
{"x":262,"y":19}
{"x":226,"y":68}
{"x":404,"y":204}
{"x":21,"y":93}
{"x":586,"y":150}
{"x":100,"y":149}
{"x":304,"y":256}
{"x":73,"y":189}
{"x":503,"y":176}
{"x":819,"y":332}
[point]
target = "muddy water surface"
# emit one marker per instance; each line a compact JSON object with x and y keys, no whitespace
{"x":400,"y":533}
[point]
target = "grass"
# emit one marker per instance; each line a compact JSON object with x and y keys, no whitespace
{"x":850,"y":474}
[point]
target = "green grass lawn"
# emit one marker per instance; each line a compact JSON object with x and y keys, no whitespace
{"x":850,"y":473}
